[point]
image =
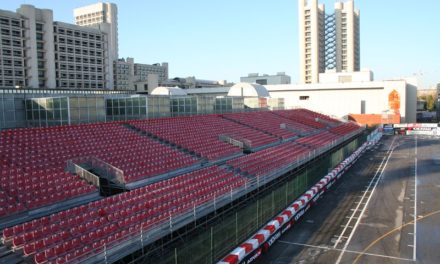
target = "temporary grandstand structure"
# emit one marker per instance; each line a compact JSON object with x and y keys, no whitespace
{"x":174,"y":170}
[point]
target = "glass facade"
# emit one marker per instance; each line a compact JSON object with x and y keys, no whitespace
{"x":48,"y":107}
{"x":186,"y":105}
{"x":137,"y":107}
{"x":47,"y":111}
{"x":86,"y":109}
{"x":126,"y":108}
{"x":158,"y":106}
{"x":13,"y":111}
{"x":228,"y":104}
{"x":53,"y":111}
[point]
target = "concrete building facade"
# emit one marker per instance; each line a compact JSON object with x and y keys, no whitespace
{"x":129,"y":75}
{"x":347,"y":52}
{"x":105,"y":17}
{"x":38,"y":52}
{"x":327,"y":41}
{"x":279,"y":78}
{"x":311,"y":40}
{"x":12,"y":47}
{"x":81,"y":60}
{"x":97,"y":14}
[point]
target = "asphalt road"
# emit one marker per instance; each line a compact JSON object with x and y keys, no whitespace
{"x":386,"y":209}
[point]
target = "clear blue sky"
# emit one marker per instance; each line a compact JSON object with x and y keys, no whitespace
{"x":226,"y":39}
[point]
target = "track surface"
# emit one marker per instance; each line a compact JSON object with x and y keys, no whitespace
{"x":386,"y":209}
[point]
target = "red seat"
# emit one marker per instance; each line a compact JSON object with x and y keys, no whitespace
{"x":29,"y":249}
{"x":8,"y":233}
{"x":18,"y":241}
{"x":40,"y":258}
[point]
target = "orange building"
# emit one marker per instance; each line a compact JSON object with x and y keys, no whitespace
{"x":374,"y":119}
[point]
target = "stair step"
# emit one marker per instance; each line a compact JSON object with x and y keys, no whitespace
{"x":4,"y":251}
{"x":11,"y":258}
{"x":255,"y":128}
{"x":162,"y":141}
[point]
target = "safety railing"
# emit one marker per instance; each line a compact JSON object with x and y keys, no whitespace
{"x":83,"y":173}
{"x":236,"y":140}
{"x":105,"y":169}
{"x":292,"y":129}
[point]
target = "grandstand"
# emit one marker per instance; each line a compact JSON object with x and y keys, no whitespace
{"x":163,"y":174}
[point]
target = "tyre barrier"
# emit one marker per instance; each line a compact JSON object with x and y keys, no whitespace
{"x":263,"y":239}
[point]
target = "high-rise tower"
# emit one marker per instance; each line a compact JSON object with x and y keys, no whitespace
{"x":327,"y":41}
{"x":311,"y":40}
{"x":98,"y":14}
{"x":105,"y":17}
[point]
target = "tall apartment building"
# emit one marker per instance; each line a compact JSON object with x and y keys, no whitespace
{"x":347,"y":52}
{"x":327,"y":41}
{"x":101,"y":15}
{"x":311,"y":40}
{"x":38,"y":52}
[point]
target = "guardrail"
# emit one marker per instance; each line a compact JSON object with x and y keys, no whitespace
{"x":83,"y":173}
{"x":137,"y":239}
{"x":105,"y":169}
{"x":235,"y":140}
{"x":251,"y":249}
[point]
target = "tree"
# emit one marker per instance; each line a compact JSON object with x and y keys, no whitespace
{"x":430,"y":103}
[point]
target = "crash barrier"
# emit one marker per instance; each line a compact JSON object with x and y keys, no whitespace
{"x":252,"y":248}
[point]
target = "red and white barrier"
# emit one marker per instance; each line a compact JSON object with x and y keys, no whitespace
{"x":265,"y":237}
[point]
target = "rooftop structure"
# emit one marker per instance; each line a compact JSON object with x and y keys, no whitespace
{"x":279,"y":78}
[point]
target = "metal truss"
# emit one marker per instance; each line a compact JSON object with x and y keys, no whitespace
{"x":330,"y":41}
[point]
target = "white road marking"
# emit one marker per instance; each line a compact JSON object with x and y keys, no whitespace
{"x":415,"y":150}
{"x":348,"y":251}
{"x":390,"y":152}
{"x":415,"y":212}
{"x":415,"y":203}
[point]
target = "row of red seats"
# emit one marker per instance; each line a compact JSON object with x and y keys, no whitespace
{"x":109,"y":220}
{"x":301,"y":117}
{"x":314,"y":115}
{"x":266,"y":121}
{"x":344,"y":129}
{"x":21,"y":194}
{"x":201,"y":134}
{"x":318,"y":140}
{"x":269,"y":160}
{"x":33,"y":160}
